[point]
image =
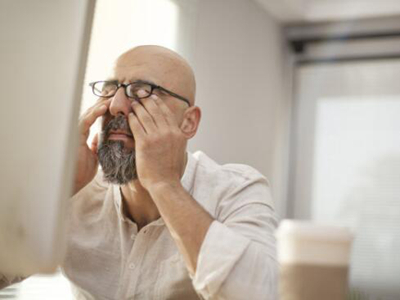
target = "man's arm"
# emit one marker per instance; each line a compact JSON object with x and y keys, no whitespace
{"x":219,"y":253}
{"x":160,"y":160}
{"x":237,"y":259}
{"x":230,"y":258}
{"x":186,"y":220}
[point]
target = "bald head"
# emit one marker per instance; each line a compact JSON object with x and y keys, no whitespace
{"x":159,"y":65}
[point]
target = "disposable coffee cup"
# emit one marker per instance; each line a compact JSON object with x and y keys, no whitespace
{"x":314,"y":260}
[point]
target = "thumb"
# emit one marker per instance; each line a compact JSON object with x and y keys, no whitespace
{"x":95,"y":143}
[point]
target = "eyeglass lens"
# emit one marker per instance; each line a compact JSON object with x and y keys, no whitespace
{"x":108,"y":89}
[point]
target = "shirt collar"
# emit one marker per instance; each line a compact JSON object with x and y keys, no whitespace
{"x":187,"y":179}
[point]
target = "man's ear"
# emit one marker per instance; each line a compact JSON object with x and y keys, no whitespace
{"x":191,"y":121}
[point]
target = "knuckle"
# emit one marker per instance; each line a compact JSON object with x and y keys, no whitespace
{"x":157,"y":114}
{"x":145,"y":100}
{"x":85,"y":122}
{"x":146,"y":119}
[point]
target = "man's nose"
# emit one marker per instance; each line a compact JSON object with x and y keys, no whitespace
{"x":120,"y":103}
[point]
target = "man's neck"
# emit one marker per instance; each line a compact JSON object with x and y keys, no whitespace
{"x":140,"y":208}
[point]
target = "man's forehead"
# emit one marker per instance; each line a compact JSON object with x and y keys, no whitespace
{"x":159,"y":65}
{"x":153,"y":62}
{"x":135,"y":72}
{"x":141,"y":61}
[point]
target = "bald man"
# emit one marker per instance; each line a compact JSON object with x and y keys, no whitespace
{"x":155,"y":221}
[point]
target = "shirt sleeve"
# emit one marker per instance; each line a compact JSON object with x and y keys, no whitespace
{"x":237,"y":259}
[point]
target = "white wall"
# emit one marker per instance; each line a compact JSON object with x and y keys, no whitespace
{"x":120,"y":25}
{"x":240,"y":63}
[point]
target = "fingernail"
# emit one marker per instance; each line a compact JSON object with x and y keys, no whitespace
{"x":154,"y":97}
{"x":141,"y":93}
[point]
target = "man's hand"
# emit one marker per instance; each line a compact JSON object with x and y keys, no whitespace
{"x":160,"y":153}
{"x":159,"y":142}
{"x":87,"y":161}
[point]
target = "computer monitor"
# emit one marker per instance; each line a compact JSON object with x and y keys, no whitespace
{"x":43,"y":49}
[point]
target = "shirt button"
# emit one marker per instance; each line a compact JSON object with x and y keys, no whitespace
{"x":132,"y":236}
{"x":131,"y":266}
{"x":145,"y":231}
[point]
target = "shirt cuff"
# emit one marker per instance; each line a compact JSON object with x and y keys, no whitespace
{"x":220,"y":251}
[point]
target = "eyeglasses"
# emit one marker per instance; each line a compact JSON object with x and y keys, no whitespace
{"x":107,"y":89}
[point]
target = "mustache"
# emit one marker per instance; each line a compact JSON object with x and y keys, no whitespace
{"x":117,"y":123}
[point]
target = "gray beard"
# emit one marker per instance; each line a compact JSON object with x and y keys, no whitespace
{"x":117,"y":162}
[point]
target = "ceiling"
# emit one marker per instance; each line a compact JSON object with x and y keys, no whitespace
{"x":291,"y":11}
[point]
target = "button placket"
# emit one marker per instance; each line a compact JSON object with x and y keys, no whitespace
{"x":135,"y":261}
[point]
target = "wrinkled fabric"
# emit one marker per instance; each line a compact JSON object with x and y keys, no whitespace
{"x":108,"y":258}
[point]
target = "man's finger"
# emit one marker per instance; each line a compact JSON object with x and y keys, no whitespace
{"x":136,"y":127}
{"x":95,"y":143}
{"x":154,"y":111}
{"x":168,"y":115}
{"x":144,"y":117}
{"x":91,"y":115}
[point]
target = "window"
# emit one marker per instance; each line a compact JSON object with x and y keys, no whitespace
{"x":347,"y":163}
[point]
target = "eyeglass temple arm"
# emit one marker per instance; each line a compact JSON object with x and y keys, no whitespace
{"x":173,"y":94}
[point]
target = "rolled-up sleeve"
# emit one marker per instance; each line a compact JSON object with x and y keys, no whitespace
{"x":237,"y":259}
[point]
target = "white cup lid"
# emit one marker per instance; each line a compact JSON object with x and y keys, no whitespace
{"x":310,"y":230}
{"x":312,"y":243}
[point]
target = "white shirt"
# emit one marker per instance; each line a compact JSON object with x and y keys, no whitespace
{"x":107,"y":258}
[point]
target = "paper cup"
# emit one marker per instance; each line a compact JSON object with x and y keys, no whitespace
{"x":314,"y":260}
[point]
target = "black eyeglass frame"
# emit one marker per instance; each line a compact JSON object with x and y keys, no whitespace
{"x":152,"y":85}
